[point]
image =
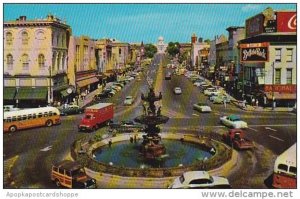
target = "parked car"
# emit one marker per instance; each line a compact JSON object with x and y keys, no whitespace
{"x":199,"y":180}
{"x":233,"y":121}
{"x":210,"y":90}
{"x":219,"y":99}
{"x":177,"y":90}
{"x":128,"y":100}
{"x":70,"y":110}
{"x":7,"y":108}
{"x":202,"y":107}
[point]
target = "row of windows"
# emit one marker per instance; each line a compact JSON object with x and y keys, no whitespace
{"x":25,"y":61}
{"x":29,"y":116}
{"x":289,"y":74}
{"x":40,"y":35}
{"x":288,"y":54}
{"x":285,"y":168}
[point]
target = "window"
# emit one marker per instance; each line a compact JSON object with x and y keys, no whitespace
{"x":55,"y":169}
{"x":19,"y":118}
{"x":34,"y":116}
{"x":24,"y":117}
{"x":9,"y":38}
{"x":29,"y":116}
{"x":46,"y":114}
{"x":278,"y":55}
{"x":289,"y":75}
{"x":40,"y":115}
{"x":283,"y":167}
{"x":25,"y":38}
{"x":289,"y":55}
{"x":277,"y":76}
{"x":25,"y":62}
{"x":14,"y":118}
{"x":293,"y":170}
{"x":200,"y":181}
{"x":41,"y":60}
{"x":120,"y":51}
{"x":9,"y":61}
{"x":61,"y":171}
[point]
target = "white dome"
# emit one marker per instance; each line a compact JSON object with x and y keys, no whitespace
{"x":160,"y":38}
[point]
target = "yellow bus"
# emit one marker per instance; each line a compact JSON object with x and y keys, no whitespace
{"x":29,"y":118}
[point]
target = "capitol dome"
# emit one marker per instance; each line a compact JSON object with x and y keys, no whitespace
{"x":160,"y":38}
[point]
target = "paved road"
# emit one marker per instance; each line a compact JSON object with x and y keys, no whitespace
{"x":272,"y":133}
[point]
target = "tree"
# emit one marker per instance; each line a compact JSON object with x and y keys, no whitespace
{"x":173,"y":48}
{"x":183,"y":57}
{"x":150,"y":50}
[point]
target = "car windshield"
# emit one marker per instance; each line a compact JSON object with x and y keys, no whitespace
{"x":128,"y":97}
{"x":234,"y":118}
{"x":88,"y":117}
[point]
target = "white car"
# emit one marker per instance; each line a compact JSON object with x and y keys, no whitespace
{"x":210,"y":91}
{"x":128,"y":100}
{"x":233,"y":121}
{"x":202,"y":107}
{"x":198,"y":180}
{"x":177,"y":90}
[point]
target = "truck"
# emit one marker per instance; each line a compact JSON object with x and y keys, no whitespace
{"x":237,"y":139}
{"x":95,"y":116}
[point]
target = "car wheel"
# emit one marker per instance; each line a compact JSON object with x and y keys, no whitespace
{"x":57,"y":183}
{"x":49,"y":123}
{"x":12,"y":129}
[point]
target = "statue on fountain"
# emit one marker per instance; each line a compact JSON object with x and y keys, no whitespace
{"x":151,"y":147}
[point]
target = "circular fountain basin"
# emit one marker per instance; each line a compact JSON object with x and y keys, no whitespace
{"x":126,"y":154}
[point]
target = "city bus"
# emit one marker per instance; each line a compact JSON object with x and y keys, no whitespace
{"x":30,"y":118}
{"x":285,"y":169}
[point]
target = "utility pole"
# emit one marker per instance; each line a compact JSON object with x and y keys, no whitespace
{"x":243,"y":82}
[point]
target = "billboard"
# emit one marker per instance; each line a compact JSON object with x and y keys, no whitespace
{"x":286,"y":21}
{"x":254,"y":52}
{"x":254,"y":25}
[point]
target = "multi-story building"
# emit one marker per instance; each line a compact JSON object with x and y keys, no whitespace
{"x":119,"y":56}
{"x":235,"y":34}
{"x":197,"y":46}
{"x":103,"y":54}
{"x":137,"y":51}
{"x":82,"y":70}
{"x":161,"y":46}
{"x":221,"y":70}
{"x":268,"y":55}
{"x":35,"y":61}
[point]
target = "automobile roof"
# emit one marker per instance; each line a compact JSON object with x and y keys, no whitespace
{"x":234,"y":117}
{"x":68,"y":165}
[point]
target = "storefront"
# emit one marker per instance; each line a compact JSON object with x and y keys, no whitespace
{"x":29,"y":97}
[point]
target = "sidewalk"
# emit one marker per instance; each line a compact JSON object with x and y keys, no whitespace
{"x":89,"y":97}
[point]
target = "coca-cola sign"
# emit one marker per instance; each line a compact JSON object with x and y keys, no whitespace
{"x":286,"y":22}
{"x":255,"y":52}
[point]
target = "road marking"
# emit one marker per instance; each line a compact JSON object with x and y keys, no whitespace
{"x":276,"y":138}
{"x":48,"y":148}
{"x":253,"y":129}
{"x":268,"y":128}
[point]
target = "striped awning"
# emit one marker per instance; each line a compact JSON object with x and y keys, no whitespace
{"x":27,"y":93}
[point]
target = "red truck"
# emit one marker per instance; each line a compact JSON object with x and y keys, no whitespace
{"x":95,"y":116}
{"x":236,"y":138}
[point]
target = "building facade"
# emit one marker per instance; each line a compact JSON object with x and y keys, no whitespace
{"x":268,"y":55}
{"x":35,"y":61}
{"x":161,"y":46}
{"x":197,"y":46}
{"x":82,"y":70}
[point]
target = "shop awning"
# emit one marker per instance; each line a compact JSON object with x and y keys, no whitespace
{"x":282,"y":96}
{"x":9,"y":93}
{"x":86,"y":82}
{"x":27,"y":93}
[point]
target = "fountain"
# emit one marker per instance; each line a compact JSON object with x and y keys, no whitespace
{"x":151,"y":148}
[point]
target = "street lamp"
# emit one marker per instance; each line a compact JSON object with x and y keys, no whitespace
{"x":50,"y":85}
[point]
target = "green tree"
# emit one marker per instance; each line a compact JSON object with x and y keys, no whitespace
{"x":173,"y":48}
{"x":183,"y":57}
{"x":150,"y":50}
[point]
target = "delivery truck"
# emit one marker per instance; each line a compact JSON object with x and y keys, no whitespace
{"x":95,"y":116}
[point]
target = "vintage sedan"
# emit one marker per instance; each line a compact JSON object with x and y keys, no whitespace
{"x":199,"y":180}
{"x":177,"y":90}
{"x":202,"y":107}
{"x":70,"y":110}
{"x":128,"y":100}
{"x":233,"y":121}
{"x":220,"y":99}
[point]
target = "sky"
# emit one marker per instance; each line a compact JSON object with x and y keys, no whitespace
{"x":145,"y":22}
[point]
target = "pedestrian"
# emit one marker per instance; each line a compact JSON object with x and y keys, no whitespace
{"x":224,"y":101}
{"x":256,"y":103}
{"x":265,"y":101}
{"x":253,"y":101}
{"x":244,"y":104}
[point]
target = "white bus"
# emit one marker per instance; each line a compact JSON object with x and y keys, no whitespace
{"x":29,"y":118}
{"x":285,"y":169}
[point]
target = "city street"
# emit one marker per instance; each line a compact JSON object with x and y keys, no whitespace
{"x":273,"y":132}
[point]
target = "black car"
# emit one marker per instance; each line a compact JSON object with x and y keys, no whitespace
{"x":70,"y":110}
